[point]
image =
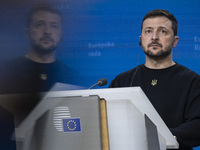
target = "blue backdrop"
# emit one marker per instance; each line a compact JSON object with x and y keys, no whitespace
{"x":101,"y":36}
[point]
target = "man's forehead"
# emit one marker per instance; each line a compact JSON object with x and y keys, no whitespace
{"x":46,"y":15}
{"x":157,"y":22}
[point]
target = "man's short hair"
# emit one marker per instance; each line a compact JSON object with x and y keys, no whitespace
{"x":164,"y":13}
{"x":40,"y":7}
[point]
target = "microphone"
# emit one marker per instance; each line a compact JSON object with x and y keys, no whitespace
{"x":100,"y":82}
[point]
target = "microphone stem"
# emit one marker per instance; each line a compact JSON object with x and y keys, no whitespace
{"x":93,"y":85}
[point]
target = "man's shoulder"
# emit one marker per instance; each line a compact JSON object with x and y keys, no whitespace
{"x":18,"y":60}
{"x":185,"y":73}
{"x":185,"y":70}
{"x":124,"y":79}
{"x":60,"y":66}
{"x":59,"y":63}
{"x":131,"y":71}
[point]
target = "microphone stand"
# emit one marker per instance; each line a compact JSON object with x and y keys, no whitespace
{"x":93,"y":85}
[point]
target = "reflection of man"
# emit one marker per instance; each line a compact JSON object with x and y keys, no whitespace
{"x":38,"y":70}
{"x":44,"y":30}
{"x":173,"y":89}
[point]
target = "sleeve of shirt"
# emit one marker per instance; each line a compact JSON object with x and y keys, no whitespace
{"x":188,"y":133}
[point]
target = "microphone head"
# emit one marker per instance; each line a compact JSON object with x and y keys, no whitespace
{"x":102,"y":82}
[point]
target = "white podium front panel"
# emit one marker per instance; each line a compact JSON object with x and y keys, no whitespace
{"x":126,"y":126}
{"x":133,"y":94}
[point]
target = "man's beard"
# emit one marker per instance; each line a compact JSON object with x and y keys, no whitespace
{"x":40,"y":49}
{"x":159,"y":55}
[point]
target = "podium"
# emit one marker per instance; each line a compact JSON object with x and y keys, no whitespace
{"x":133,"y":122}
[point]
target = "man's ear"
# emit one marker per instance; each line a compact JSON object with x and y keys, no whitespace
{"x":176,"y":39}
{"x":140,"y":41}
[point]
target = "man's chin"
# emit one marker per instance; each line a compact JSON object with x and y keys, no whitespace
{"x":46,"y":46}
{"x":45,"y":49}
{"x":154,"y":53}
{"x":157,"y":55}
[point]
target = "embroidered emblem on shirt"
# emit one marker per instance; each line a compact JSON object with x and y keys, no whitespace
{"x":154,"y":82}
{"x":43,"y":76}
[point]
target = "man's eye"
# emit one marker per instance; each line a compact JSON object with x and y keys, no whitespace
{"x":55,"y":26}
{"x":148,"y":31}
{"x":163,"y":31}
{"x":39,"y":25}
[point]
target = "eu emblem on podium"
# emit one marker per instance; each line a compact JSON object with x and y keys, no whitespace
{"x":71,"y":125}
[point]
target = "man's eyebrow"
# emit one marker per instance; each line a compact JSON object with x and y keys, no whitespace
{"x":39,"y":21}
{"x":160,"y":27}
{"x":53,"y":22}
{"x":148,"y":28}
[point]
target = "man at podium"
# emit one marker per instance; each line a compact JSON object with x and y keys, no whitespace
{"x":173,"y":89}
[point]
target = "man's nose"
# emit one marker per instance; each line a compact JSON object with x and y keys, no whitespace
{"x":47,"y":29}
{"x":155,"y":35}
